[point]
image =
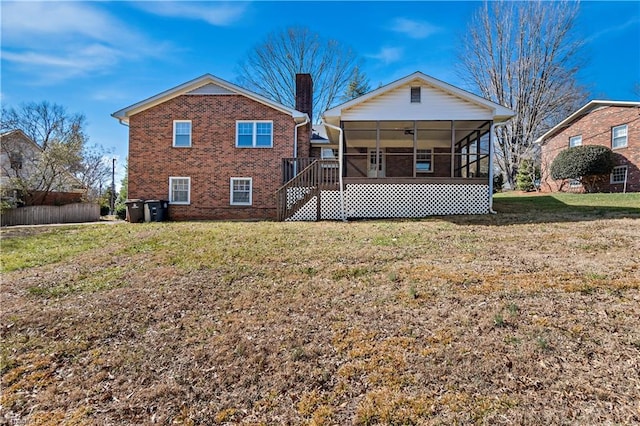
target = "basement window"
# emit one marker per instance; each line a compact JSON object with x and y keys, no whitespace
{"x":179,"y":190}
{"x":241,"y":189}
{"x":619,"y":174}
{"x":415,"y":95}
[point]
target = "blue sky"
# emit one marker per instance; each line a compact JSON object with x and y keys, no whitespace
{"x":98,"y":57}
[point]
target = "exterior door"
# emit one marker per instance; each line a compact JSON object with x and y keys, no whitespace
{"x":376,"y":163}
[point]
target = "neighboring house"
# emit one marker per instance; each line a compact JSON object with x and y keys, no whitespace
{"x":413,"y":148}
{"x":614,"y":124}
{"x":25,"y":179}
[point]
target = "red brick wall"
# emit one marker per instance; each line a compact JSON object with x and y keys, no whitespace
{"x":212,"y":159}
{"x":595,"y":129}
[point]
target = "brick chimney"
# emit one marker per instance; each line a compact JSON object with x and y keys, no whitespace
{"x":304,"y":94}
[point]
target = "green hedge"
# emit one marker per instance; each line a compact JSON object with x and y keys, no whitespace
{"x":580,"y":161}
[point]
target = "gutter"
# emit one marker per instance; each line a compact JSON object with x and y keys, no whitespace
{"x":340,"y":158}
{"x":492,"y":153}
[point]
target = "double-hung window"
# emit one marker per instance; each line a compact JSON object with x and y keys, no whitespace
{"x":424,"y":161}
{"x":182,"y":133}
{"x":179,"y":190}
{"x":241,"y":189}
{"x":619,"y":174}
{"x":254,"y":134}
{"x":575,"y":141}
{"x":619,"y":136}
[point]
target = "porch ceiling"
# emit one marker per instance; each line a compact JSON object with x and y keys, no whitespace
{"x":401,"y":133}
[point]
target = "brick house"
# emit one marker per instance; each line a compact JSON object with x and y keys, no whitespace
{"x":614,"y":124}
{"x":415,"y":147}
{"x":213,"y":149}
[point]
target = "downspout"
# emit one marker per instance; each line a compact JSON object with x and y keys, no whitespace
{"x":491,"y":154}
{"x":121,"y":122}
{"x":295,"y":135}
{"x":340,"y":157}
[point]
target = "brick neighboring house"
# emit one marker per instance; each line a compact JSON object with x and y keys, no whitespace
{"x":614,"y":124}
{"x":413,"y":148}
{"x":214,"y":150}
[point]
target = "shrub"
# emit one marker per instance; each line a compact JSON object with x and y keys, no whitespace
{"x":585,"y":163}
{"x":121,"y":211}
{"x":528,"y":175}
{"x":498,"y":182}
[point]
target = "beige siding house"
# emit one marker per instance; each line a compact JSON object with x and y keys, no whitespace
{"x":413,"y":148}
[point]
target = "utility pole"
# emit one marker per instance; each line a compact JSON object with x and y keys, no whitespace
{"x":113,"y":188}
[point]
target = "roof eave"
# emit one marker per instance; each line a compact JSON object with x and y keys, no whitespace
{"x":124,"y":114}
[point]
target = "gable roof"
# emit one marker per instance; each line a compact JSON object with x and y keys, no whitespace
{"x":199,"y":85}
{"x":588,"y":108}
{"x":500,"y":112}
{"x":23,"y":135}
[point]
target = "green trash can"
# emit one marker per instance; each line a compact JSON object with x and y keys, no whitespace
{"x":135,"y":210}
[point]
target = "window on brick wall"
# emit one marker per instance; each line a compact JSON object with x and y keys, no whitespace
{"x":254,"y":134}
{"x":182,"y":133}
{"x":241,"y":191}
{"x":619,"y":136}
{"x":180,"y":190}
{"x":575,"y":141}
{"x":424,"y":160}
{"x":619,"y":174}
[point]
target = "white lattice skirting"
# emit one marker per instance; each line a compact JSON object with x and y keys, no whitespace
{"x":398,"y":201}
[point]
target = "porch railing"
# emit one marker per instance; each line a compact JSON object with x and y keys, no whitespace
{"x":317,"y":175}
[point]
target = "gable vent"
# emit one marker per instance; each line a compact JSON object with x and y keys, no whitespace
{"x":415,"y":95}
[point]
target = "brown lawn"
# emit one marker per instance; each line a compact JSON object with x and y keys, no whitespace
{"x":529,"y":317}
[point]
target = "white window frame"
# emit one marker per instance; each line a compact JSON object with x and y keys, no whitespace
{"x":254,"y":134}
{"x":236,"y":203}
{"x":626,"y":136}
{"x":625,"y":174}
{"x":175,"y":122}
{"x":424,"y":152}
{"x":575,"y":183}
{"x":575,"y":141}
{"x":171,"y":179}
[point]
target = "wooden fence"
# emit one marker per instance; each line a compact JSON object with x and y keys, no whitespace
{"x":38,"y":215}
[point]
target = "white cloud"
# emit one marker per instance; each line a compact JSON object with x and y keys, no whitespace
{"x":613,"y":29}
{"x":55,"y":41}
{"x":413,"y":29}
{"x":214,"y":13}
{"x":388,"y":54}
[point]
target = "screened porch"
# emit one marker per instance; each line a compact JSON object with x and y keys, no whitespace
{"x":434,"y":150}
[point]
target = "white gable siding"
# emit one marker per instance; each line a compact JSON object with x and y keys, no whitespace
{"x":435,"y":105}
{"x":210,"y":89}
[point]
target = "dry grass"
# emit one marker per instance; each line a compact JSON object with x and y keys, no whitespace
{"x":518,"y":318}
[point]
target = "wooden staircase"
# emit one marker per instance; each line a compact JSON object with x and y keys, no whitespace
{"x":318,"y":175}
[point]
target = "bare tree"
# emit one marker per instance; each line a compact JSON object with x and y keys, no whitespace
{"x":61,"y":139}
{"x":94,"y":171}
{"x":270,"y":68}
{"x":523,"y":55}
